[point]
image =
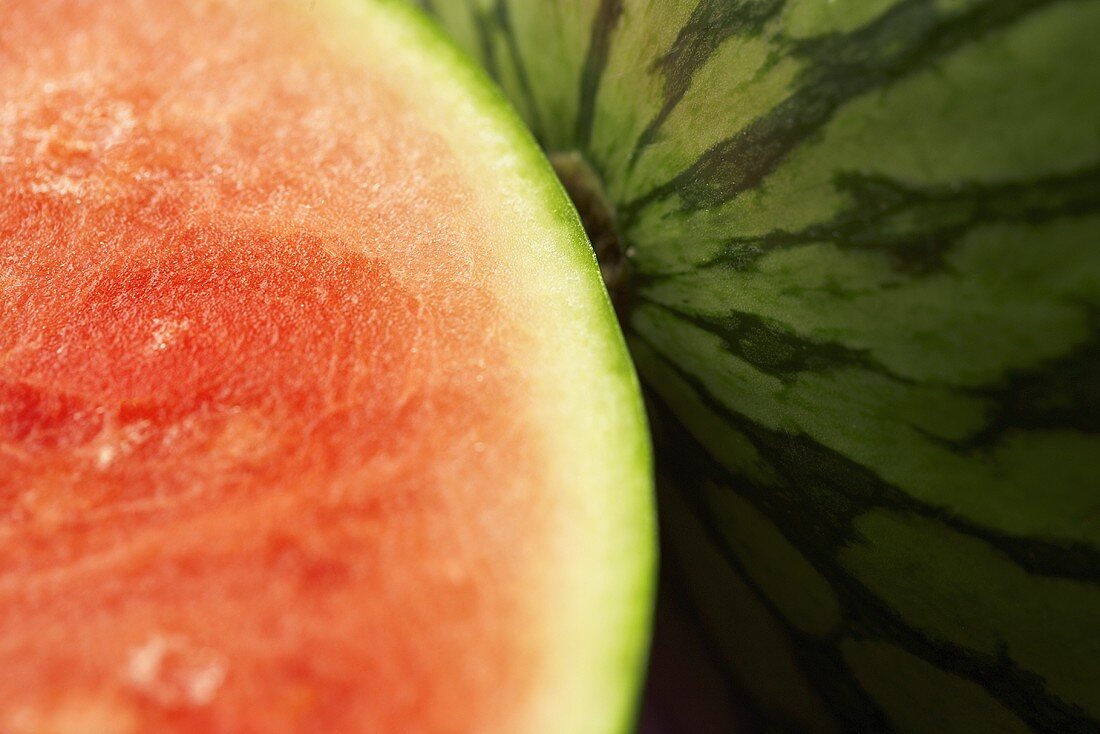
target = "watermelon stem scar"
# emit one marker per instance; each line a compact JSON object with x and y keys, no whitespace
{"x":597,"y":213}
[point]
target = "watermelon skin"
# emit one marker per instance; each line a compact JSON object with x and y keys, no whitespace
{"x":864,"y":286}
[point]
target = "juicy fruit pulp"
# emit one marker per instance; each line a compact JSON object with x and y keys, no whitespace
{"x":267,"y":458}
{"x":861,"y":239}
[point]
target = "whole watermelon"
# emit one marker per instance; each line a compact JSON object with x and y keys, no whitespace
{"x":855,"y":245}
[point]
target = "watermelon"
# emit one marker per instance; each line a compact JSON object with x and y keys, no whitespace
{"x":856,"y":250}
{"x":314,"y":413}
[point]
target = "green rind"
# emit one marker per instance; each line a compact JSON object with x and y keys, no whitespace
{"x":609,"y":536}
{"x":865,"y":242}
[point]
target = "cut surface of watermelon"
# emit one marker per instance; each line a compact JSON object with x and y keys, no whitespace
{"x":313,"y":412}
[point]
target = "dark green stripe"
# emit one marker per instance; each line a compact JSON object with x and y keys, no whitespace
{"x":839,"y":68}
{"x":711,"y":23}
{"x":484,"y":27}
{"x":773,"y":348}
{"x":599,"y":47}
{"x":1060,"y":395}
{"x":918,"y":226}
{"x":1063,"y":395}
{"x":504,"y":20}
{"x":498,"y":20}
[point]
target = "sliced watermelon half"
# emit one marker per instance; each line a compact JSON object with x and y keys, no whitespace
{"x":314,"y":413}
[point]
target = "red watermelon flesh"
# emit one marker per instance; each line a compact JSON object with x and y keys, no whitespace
{"x":264,"y":465}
